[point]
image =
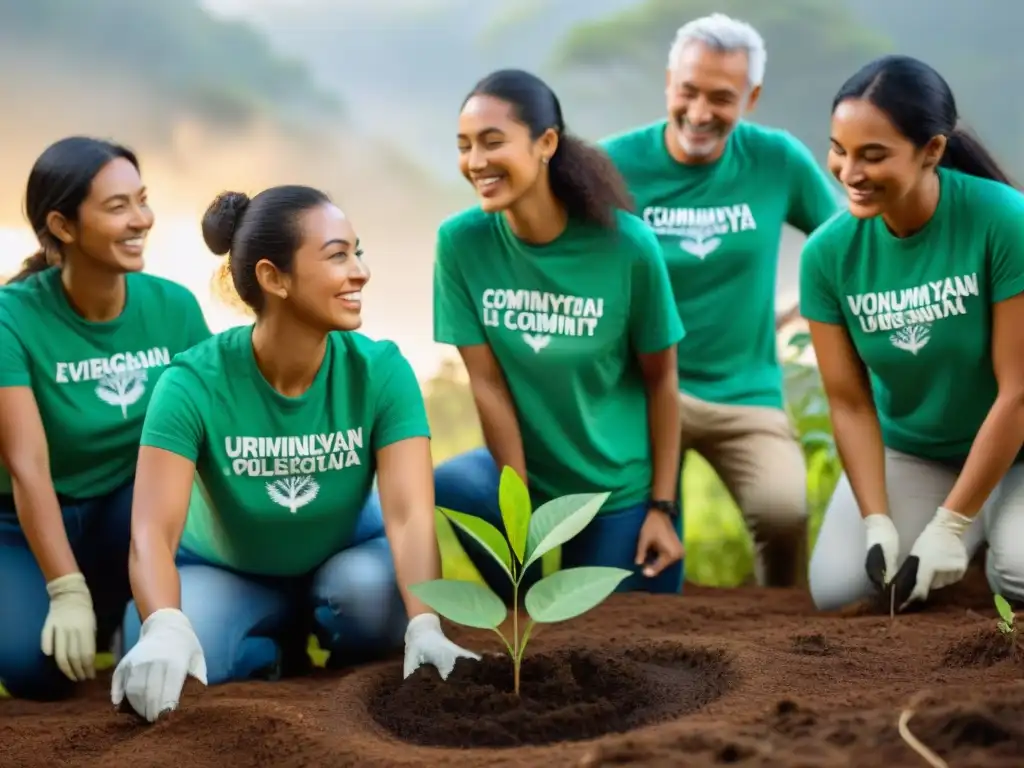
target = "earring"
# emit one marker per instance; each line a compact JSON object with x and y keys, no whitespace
{"x":544,"y":160}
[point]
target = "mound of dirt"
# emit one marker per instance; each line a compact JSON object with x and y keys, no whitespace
{"x":568,"y":695}
{"x":745,"y":677}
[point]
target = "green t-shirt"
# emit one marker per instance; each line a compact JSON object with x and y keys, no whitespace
{"x":92,"y":381}
{"x":565,"y":321}
{"x":919,"y":308}
{"x":719,"y":226}
{"x":280,"y":481}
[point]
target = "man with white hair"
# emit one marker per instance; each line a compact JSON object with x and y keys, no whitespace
{"x":717,"y":190}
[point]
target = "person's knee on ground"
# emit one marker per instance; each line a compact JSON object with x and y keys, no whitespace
{"x":778,"y":518}
{"x":358,"y":610}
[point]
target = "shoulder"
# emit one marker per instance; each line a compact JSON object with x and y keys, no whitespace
{"x":990,"y":202}
{"x":466,"y":224}
{"x":212,"y":357}
{"x":834,"y":236}
{"x":634,"y":238}
{"x":635,"y":142}
{"x":769,"y":139}
{"x":162,"y":290}
{"x":374,"y":356}
{"x":28,"y":292}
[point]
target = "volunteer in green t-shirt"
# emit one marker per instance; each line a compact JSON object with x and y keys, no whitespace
{"x":283,"y":424}
{"x":84,"y":337}
{"x":558,"y":301}
{"x":915,"y":297}
{"x":717,"y":191}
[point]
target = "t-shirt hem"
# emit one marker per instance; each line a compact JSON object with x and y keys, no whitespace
{"x":173,"y":446}
{"x":761,"y":399}
{"x":817,"y":317}
{"x":1002,"y":293}
{"x":15,"y":381}
{"x":460,"y":341}
{"x":397,"y":434}
{"x":661,"y":344}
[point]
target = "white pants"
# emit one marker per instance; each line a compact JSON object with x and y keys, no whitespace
{"x":916,"y":488}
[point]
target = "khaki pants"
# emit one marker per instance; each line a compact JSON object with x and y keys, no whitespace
{"x":916,"y":488}
{"x":756,"y":454}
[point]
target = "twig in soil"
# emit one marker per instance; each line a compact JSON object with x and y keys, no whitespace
{"x":926,"y":754}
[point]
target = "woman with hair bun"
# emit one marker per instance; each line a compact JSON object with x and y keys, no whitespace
{"x":284,"y":424}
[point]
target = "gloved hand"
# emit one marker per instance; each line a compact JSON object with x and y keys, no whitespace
{"x":69,"y":632}
{"x":937,"y":559}
{"x":425,"y":643}
{"x":152,"y":674}
{"x":883,"y":549}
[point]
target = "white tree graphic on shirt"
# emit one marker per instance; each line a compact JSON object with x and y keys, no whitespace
{"x":122,"y":388}
{"x":537,"y":341}
{"x":912,"y":338}
{"x":293,"y":492}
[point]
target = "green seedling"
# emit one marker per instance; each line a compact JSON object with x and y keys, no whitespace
{"x":1007,"y":618}
{"x":528,"y":535}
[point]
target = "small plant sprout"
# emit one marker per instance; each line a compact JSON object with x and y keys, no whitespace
{"x":1007,"y":618}
{"x":528,"y":536}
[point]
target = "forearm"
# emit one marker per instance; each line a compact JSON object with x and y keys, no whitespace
{"x":993,"y":452}
{"x":665,"y":429}
{"x":500,"y":426}
{"x":153,"y":575}
{"x":43,"y":525}
{"x":858,"y":437}
{"x":416,"y":556}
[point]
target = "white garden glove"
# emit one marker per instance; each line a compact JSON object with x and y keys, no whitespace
{"x":425,"y":643}
{"x":152,"y":674}
{"x":69,"y":632}
{"x":883,"y":549}
{"x":937,"y":559}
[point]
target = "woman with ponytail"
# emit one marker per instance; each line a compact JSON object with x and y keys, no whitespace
{"x":915,"y":299}
{"x":84,"y":337}
{"x":559,"y":302}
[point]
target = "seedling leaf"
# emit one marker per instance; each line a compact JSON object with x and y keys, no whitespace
{"x":514,"y":501}
{"x":464,"y":602}
{"x":1005,"y":611}
{"x":566,"y":594}
{"x":485,"y":534}
{"x":559,"y":520}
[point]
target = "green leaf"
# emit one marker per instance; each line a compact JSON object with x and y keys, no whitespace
{"x":514,"y":501}
{"x":566,"y":594}
{"x":557,"y":521}
{"x":465,"y":602}
{"x":484,"y":534}
{"x":1005,"y":611}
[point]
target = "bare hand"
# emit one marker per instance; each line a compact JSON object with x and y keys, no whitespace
{"x":658,"y":537}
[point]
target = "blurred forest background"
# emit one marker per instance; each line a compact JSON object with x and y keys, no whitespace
{"x":361,"y":98}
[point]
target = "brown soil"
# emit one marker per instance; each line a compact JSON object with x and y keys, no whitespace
{"x":746,"y":677}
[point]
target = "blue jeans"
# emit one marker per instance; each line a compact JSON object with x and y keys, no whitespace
{"x":469,"y":483}
{"x":254,"y":627}
{"x":98,"y":530}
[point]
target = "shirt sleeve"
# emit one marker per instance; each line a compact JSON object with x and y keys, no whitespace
{"x":401,"y":412}
{"x":456,"y":319}
{"x":819,"y":300}
{"x":1006,"y":252}
{"x":654,"y":322}
{"x":173,"y":421}
{"x":14,"y":368}
{"x":813,"y":197}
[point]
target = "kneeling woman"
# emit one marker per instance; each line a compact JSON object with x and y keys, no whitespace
{"x":283,"y":424}
{"x":559,"y":303}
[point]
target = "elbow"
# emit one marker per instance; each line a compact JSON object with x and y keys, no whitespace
{"x":28,"y":469}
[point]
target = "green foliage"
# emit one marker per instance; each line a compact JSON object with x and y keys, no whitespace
{"x":558,"y":597}
{"x":1007,"y":618}
{"x":222,"y":69}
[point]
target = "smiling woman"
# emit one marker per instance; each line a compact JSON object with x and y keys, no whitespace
{"x":83,"y":338}
{"x":258,"y":456}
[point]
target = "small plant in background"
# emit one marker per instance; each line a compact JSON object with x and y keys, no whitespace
{"x":1007,"y":618}
{"x":528,"y":535}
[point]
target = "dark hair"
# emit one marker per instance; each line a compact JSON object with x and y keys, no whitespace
{"x":920,"y":104}
{"x":582,"y":176}
{"x":60,"y":181}
{"x":265,"y":227}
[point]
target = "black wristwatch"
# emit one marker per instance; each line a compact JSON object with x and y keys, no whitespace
{"x":670,"y":508}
